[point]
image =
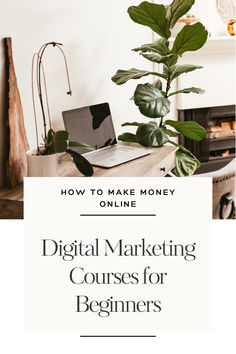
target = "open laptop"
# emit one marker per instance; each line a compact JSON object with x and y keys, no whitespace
{"x":93,"y":125}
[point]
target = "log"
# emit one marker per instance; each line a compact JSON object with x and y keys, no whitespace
{"x":18,"y":143}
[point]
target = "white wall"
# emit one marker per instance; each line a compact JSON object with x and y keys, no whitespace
{"x":98,"y":37}
{"x":208,"y":14}
{"x":217,"y":58}
{"x":217,"y":77}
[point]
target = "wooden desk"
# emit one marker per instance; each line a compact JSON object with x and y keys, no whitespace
{"x":157,"y":164}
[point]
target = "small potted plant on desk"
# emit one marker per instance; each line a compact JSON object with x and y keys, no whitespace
{"x":42,"y":161}
{"x":153,"y":99}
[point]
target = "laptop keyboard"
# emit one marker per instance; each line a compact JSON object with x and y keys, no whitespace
{"x":115,"y":154}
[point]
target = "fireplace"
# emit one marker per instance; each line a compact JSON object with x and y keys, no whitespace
{"x":218,"y":148}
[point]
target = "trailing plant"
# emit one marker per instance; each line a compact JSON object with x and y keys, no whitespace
{"x":55,"y":142}
{"x":153,"y":99}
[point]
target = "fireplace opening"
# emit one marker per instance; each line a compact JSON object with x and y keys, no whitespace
{"x":218,"y":148}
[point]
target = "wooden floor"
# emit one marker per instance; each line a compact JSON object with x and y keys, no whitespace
{"x":11,"y":203}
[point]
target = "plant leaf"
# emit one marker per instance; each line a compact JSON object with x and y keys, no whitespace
{"x":60,"y":140}
{"x":81,"y":163}
{"x":181,"y":147}
{"x":79,"y":144}
{"x":50,"y":134}
{"x":122,"y":76}
{"x":165,"y":70}
{"x":48,"y":143}
{"x":62,"y":134}
{"x":151,"y":135}
{"x":188,"y":90}
{"x":190,"y":38}
{"x":191,"y":130}
{"x":178,"y":70}
{"x":157,"y":84}
{"x":151,"y":15}
{"x":128,"y":137}
{"x":171,"y":133}
{"x":156,"y":58}
{"x":177,"y":9}
{"x":135,"y":124}
{"x":185,"y":164}
{"x":150,"y":101}
{"x":172,"y":61}
{"x":159,"y":47}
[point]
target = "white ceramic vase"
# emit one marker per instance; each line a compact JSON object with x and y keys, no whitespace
{"x":41,"y":165}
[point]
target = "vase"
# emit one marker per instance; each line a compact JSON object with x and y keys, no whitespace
{"x":41,"y":165}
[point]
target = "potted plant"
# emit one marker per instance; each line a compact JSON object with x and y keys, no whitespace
{"x":42,"y":161}
{"x":153,"y":99}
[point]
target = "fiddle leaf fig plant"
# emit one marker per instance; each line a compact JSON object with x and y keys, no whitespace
{"x":152,"y":99}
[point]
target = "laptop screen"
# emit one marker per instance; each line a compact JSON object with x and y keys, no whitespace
{"x":91,"y":125}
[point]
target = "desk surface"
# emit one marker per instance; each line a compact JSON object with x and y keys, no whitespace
{"x":141,"y":167}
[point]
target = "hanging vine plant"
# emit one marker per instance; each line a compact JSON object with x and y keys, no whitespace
{"x":152,"y":100}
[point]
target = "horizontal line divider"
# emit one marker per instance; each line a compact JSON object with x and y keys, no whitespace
{"x":117,"y":336}
{"x":117,"y":214}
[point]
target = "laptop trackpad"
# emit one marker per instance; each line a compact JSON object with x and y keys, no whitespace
{"x":115,"y":156}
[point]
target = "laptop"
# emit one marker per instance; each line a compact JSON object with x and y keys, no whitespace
{"x":93,"y":125}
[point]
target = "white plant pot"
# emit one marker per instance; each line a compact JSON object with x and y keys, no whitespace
{"x":41,"y":165}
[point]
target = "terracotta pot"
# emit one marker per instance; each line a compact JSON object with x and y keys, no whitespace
{"x":41,"y":165}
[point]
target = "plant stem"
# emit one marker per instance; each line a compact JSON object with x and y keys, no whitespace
{"x":167,"y":90}
{"x":40,"y":90}
{"x":169,"y":74}
{"x":161,"y":122}
{"x":39,"y":86}
{"x":167,"y":84}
